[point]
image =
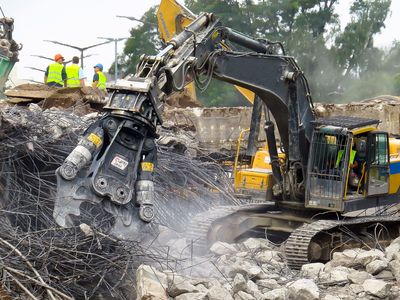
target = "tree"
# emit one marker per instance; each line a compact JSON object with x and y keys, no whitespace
{"x":144,"y":40}
{"x":333,"y":60}
{"x":368,"y":19}
{"x":300,"y":25}
{"x":233,"y":13}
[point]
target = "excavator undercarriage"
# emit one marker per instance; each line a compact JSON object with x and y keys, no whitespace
{"x":306,"y":238}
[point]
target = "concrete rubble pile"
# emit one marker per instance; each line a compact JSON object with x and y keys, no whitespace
{"x":36,"y":137}
{"x":82,"y":262}
{"x":256,"y":269}
{"x":37,"y":131}
{"x":79,"y":101}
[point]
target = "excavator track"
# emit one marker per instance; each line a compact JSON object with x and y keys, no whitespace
{"x":200,"y":225}
{"x":297,"y":247}
{"x":304,"y":241}
{"x":298,"y":243}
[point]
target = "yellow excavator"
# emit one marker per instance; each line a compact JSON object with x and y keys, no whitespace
{"x":314,"y":173}
{"x":253,"y":179}
{"x":331,"y":168}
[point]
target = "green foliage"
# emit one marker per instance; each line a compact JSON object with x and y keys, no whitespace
{"x":299,"y":24}
{"x":340,"y":64}
{"x":221,"y":94}
{"x":233,"y":13}
{"x":375,"y":84}
{"x":368,"y":19}
{"x":391,"y":66}
{"x":144,"y":40}
{"x":397,"y":83}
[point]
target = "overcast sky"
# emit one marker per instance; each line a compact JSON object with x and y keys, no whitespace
{"x":74,"y":22}
{"x":79,"y":23}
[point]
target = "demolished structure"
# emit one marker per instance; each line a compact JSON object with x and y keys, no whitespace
{"x":43,"y":259}
{"x":80,"y":262}
{"x":130,"y":229}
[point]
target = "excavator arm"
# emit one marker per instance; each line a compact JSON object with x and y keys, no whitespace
{"x":261,"y":67}
{"x":112,"y":165}
{"x":172,"y":19}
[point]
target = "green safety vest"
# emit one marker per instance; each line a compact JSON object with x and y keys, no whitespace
{"x":73,"y":75}
{"x":55,"y":73}
{"x":101,"y":84}
{"x":340,"y":156}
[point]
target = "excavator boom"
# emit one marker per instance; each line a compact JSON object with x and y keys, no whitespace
{"x":172,"y":18}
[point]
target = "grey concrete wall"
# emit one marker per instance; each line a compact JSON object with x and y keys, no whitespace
{"x":219,"y":128}
{"x":215,"y":128}
{"x":384,"y":108}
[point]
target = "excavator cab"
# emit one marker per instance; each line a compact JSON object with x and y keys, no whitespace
{"x":348,"y":165}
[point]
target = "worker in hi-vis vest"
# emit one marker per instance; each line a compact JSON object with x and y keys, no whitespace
{"x":55,"y":74}
{"x":353,"y":160}
{"x":354,"y":166}
{"x":75,"y":75}
{"x":99,"y":79}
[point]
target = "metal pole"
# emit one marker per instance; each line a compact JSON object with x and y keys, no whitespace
{"x":115,"y":40}
{"x":79,"y":48}
{"x":138,"y":20}
{"x":116,"y":60}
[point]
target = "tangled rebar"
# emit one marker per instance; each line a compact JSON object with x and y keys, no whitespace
{"x":39,"y":260}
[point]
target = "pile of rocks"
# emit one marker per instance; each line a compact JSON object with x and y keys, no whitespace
{"x":256,"y":269}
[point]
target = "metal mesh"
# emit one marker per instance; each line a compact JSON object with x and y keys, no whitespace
{"x":328,"y":169}
{"x":38,"y":257}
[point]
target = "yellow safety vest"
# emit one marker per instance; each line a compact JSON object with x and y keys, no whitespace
{"x":101,"y":84}
{"x":55,"y":73}
{"x":73,"y":75}
{"x":340,"y":156}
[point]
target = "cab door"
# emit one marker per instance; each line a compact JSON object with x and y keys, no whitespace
{"x":378,"y":163}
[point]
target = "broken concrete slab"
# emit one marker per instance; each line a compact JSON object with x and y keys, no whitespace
{"x":243,"y":296}
{"x":30,"y":92}
{"x":366,"y":257}
{"x":269,"y":284}
{"x":192,"y":296}
{"x":346,"y":258}
{"x":276,"y":294}
{"x":378,"y":288}
{"x":268,"y":256}
{"x":376,"y":266}
{"x":392,"y":250}
{"x":221,"y":248}
{"x":252,"y":289}
{"x":151,"y":284}
{"x":394,"y":267}
{"x":179,"y":287}
{"x":254,"y":244}
{"x":336,"y":275}
{"x":358,"y":277}
{"x":219,"y":293}
{"x":311,"y":271}
{"x":356,"y":288}
{"x":239,"y":283}
{"x":303,"y":289}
